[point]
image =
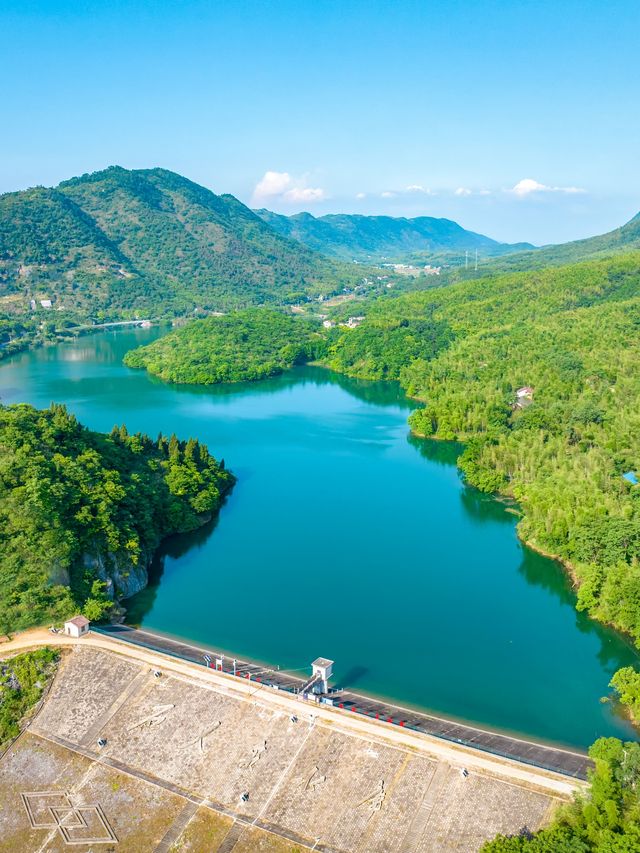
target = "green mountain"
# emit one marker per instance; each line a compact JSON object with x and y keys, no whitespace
{"x":351,"y":236}
{"x":623,"y":239}
{"x":121,"y":242}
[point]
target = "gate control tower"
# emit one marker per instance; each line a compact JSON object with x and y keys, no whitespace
{"x":322,"y":670}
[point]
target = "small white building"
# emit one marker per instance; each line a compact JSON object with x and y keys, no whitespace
{"x":77,"y":627}
{"x":524,"y":397}
{"x":328,"y":324}
{"x":353,"y":322}
{"x":526,"y":392}
{"x":46,"y":303}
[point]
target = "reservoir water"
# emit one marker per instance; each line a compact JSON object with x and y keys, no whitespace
{"x":346,"y":538}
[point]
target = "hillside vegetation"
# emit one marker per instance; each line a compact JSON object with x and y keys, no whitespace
{"x":620,"y":240}
{"x":349,"y":236}
{"x":23,"y":680}
{"x":121,"y":243}
{"x":605,"y":819}
{"x":245,"y":345}
{"x":81,"y":512}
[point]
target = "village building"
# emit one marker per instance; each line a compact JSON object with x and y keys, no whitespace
{"x":76,"y":627}
{"x":524,"y":397}
{"x":353,"y":322}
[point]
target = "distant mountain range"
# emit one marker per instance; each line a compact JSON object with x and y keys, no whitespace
{"x":372,"y":238}
{"x":149,"y":240}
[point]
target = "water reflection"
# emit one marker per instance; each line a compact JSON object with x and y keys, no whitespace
{"x":174,"y":547}
{"x":375,"y":393}
{"x":614,"y":650}
{"x":482,"y":507}
{"x":441,"y":452}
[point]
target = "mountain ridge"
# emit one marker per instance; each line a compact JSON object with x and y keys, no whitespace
{"x":625,"y":238}
{"x":357,"y":236}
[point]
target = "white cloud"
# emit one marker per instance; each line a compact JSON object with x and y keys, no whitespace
{"x":272,"y":184}
{"x":527,"y":186}
{"x":280,"y":186}
{"x":418,"y":188}
{"x":304,"y":194}
{"x":465,"y":192}
{"x":388,"y":194}
{"x":361,"y":195}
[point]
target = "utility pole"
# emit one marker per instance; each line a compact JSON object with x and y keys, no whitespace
{"x":466,"y":259}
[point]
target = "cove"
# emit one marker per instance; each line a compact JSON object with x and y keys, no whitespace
{"x":347,"y":538}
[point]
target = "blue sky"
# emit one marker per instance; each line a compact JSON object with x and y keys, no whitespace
{"x":404,"y":108}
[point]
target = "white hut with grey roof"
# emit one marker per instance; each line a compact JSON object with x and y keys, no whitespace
{"x":77,"y":627}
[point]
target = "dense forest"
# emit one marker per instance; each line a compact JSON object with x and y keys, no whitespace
{"x":80,"y":512}
{"x":245,"y":345}
{"x":605,"y":819}
{"x":385,"y":343}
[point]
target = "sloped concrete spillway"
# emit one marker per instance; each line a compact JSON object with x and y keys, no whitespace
{"x":207,"y":762}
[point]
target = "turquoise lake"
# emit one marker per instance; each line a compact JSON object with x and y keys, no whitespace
{"x":347,"y":538}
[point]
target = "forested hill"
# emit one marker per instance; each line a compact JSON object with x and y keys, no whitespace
{"x":81,"y":513}
{"x":122,"y":242}
{"x":350,"y":236}
{"x":620,"y":240}
{"x":242,"y":346}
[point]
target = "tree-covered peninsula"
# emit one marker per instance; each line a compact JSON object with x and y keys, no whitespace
{"x":81,"y":513}
{"x":242,"y":346}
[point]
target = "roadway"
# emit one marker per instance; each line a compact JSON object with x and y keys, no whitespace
{"x":545,"y":756}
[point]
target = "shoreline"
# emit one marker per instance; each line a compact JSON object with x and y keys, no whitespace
{"x":512,"y":746}
{"x":567,"y":567}
{"x":494,"y":497}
